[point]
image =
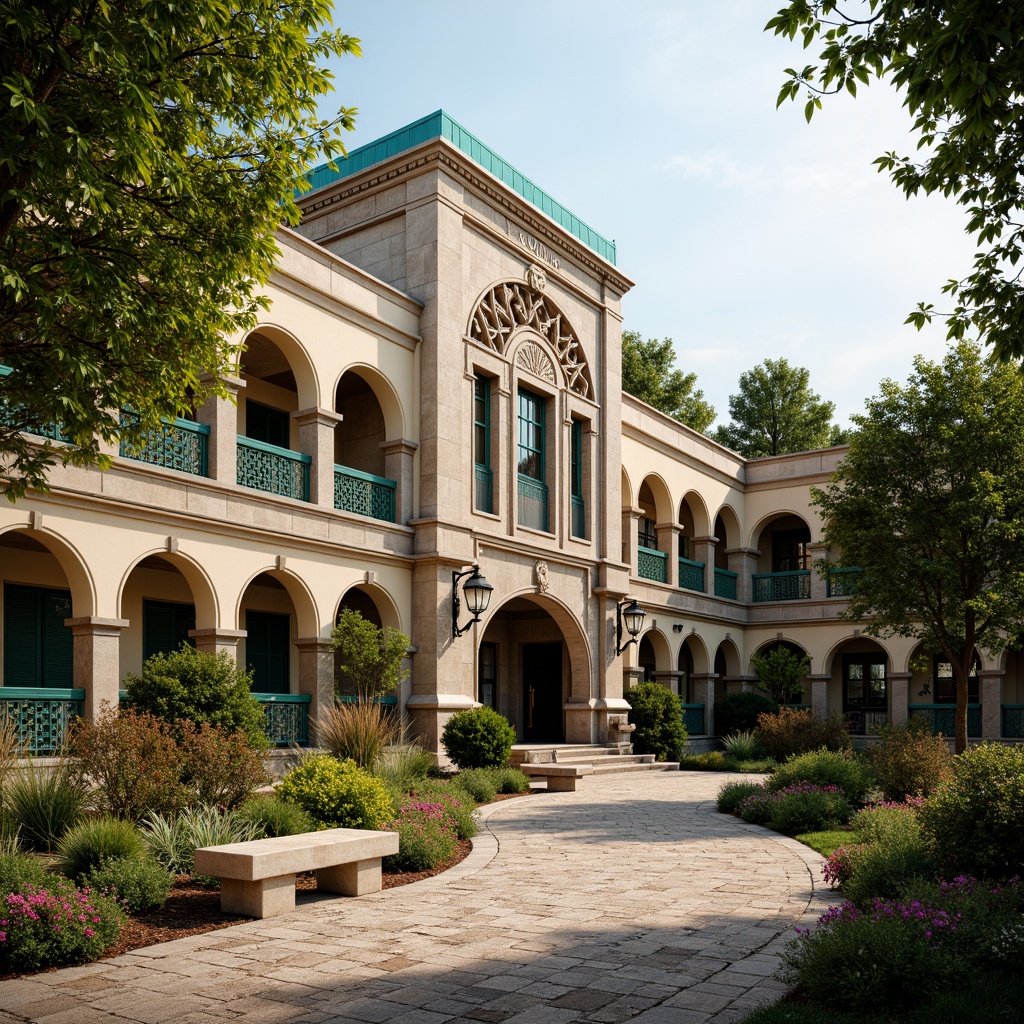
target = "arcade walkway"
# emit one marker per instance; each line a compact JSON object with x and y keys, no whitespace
{"x":629,"y":900}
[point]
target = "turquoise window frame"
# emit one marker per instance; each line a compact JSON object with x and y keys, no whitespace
{"x":532,"y":422}
{"x":483,"y":487}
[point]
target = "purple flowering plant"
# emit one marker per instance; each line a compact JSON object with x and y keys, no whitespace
{"x":426,"y":837}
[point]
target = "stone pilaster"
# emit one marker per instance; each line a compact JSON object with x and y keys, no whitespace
{"x":213,"y":641}
{"x":743,"y":562}
{"x":398,"y":466}
{"x":703,"y":550}
{"x":819,"y":586}
{"x":668,"y":541}
{"x":991,"y":693}
{"x":704,"y":693}
{"x":899,"y":690}
{"x":97,"y":661}
{"x":316,"y":439}
{"x":316,"y":677}
{"x":670,"y":679}
{"x":819,"y":695}
{"x":630,"y":536}
{"x":221,"y":416}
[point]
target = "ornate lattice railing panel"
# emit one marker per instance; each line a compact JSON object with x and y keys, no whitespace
{"x":364,"y":494}
{"x":942,"y":718}
{"x":693,"y":719}
{"x":265,"y":467}
{"x":725,"y":583}
{"x":179,"y":444}
{"x":691,"y":575}
{"x":842,"y":582}
{"x":41,"y":716}
{"x":783,"y":586}
{"x":1013,"y":721}
{"x":286,"y":717}
{"x":533,"y":503}
{"x":652,"y":565}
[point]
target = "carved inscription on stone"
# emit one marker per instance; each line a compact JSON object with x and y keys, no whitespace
{"x":513,"y":304}
{"x":532,"y":359}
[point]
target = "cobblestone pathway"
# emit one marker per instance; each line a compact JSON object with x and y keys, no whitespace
{"x":629,"y":900}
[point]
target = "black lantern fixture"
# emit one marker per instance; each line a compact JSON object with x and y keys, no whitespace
{"x":478,"y":596}
{"x":633,"y":615}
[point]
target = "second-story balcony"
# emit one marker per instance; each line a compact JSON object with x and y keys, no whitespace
{"x":725,"y":583}
{"x":265,"y":467}
{"x":691,"y":575}
{"x":177,"y":444}
{"x":364,"y":494}
{"x":652,"y":564}
{"x":782,"y":586}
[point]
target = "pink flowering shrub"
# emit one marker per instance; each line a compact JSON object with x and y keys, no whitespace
{"x":426,"y":837}
{"x":56,"y":924}
{"x":841,"y":863}
{"x":801,"y":807}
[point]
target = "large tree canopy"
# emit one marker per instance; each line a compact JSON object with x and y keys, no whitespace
{"x":960,"y":67}
{"x":648,"y":374}
{"x":147,"y":154}
{"x":776,"y":412}
{"x":929,"y":503}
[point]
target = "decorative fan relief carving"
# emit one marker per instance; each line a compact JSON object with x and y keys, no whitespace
{"x":513,"y":304}
{"x":532,"y":359}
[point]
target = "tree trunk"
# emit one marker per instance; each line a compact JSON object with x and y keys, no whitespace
{"x":960,"y":744}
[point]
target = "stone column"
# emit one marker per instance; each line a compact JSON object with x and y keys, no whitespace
{"x":819,"y":694}
{"x":819,"y":587}
{"x":668,"y":541}
{"x":704,"y":551}
{"x":213,"y":641}
{"x":398,"y":466}
{"x":899,"y":697}
{"x":704,"y":693}
{"x":743,"y":562}
{"x":316,"y":439}
{"x":316,"y":677}
{"x":221,"y":416}
{"x":991,"y":693}
{"x":630,"y":542}
{"x":670,"y":680}
{"x":97,"y":661}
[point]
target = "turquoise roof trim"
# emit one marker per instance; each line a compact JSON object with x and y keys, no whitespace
{"x":441,"y":125}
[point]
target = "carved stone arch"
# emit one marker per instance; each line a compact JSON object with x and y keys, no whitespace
{"x":508,"y":305}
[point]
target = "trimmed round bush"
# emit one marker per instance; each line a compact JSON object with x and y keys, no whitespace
{"x":973,"y":823}
{"x":479,"y":738}
{"x":826,"y":768}
{"x":739,"y":711}
{"x":337,"y":794}
{"x":275,"y":817}
{"x":732,"y":794}
{"x":658,"y":716}
{"x":140,"y":884}
{"x":478,"y":783}
{"x":95,"y":840}
{"x":510,"y":780}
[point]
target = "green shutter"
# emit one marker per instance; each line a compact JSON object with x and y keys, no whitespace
{"x":165,"y":627}
{"x":58,"y":640}
{"x":267,"y":651}
{"x":22,"y":636}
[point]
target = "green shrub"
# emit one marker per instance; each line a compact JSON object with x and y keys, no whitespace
{"x":139,"y":883}
{"x":742,"y":746}
{"x":369,"y":658}
{"x":359,"y":731}
{"x":740,"y":711}
{"x":510,"y":780}
{"x":658,"y":716}
{"x":132,"y":762}
{"x":202,"y":688}
{"x":173,"y":840}
{"x":885,"y":868}
{"x":973,"y":823}
{"x":91,"y":842}
{"x":426,"y":838}
{"x":712,"y":761}
{"x":479,"y":738}
{"x":402,"y":765}
{"x":458,"y":805}
{"x":56,"y":924}
{"x":887,"y":821}
{"x":275,"y":817}
{"x":732,"y":794}
{"x":801,"y":807}
{"x":18,"y":869}
{"x":337,"y":794}
{"x":908,"y":760}
{"x":478,"y":783}
{"x":45,"y":803}
{"x":790,"y":731}
{"x":825,"y":768}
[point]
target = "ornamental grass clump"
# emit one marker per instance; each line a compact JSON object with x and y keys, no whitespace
{"x":45,"y":803}
{"x":55,"y":924}
{"x":426,"y":838}
{"x":95,"y":840}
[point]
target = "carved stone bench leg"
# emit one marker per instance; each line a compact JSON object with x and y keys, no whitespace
{"x":561,"y":783}
{"x":356,"y":879}
{"x":265,"y":898}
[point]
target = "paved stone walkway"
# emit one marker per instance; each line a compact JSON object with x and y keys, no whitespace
{"x":629,"y":900}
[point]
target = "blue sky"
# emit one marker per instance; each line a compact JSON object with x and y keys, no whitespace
{"x":750,"y":234}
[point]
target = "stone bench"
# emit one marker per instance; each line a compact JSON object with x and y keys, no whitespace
{"x":561,"y":778}
{"x":257,"y":878}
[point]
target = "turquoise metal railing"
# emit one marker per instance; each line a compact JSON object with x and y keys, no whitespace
{"x":652,"y":565}
{"x":265,"y":467}
{"x":41,"y":716}
{"x":1013,"y":722}
{"x":842,"y":582}
{"x":579,"y":516}
{"x":693,"y":719}
{"x":725,"y":583}
{"x":783,"y":586}
{"x":176,"y":444}
{"x":483,"y":482}
{"x":364,"y":494}
{"x":533,"y":503}
{"x":8,"y":414}
{"x":942,"y":717}
{"x":691,"y":575}
{"x":286,"y":717}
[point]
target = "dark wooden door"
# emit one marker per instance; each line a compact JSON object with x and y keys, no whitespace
{"x":542,"y":693}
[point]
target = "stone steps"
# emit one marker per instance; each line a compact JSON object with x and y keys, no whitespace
{"x":606,"y":759}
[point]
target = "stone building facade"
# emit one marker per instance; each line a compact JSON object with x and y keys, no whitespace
{"x":436,"y":385}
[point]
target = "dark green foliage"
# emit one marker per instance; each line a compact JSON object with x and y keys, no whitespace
{"x":479,"y":738}
{"x":648,"y":373}
{"x":18,"y":869}
{"x":732,"y":794}
{"x":45,"y":803}
{"x":781,"y":673}
{"x":92,"y":842}
{"x":658,"y":717}
{"x":738,"y":712}
{"x":510,"y":780}
{"x":337,"y":794}
{"x":973,"y":823}
{"x":140,"y":883}
{"x":275,"y":817}
{"x":478,"y":783}
{"x":191,"y":685}
{"x":887,"y":867}
{"x":710,"y":761}
{"x":826,"y":768}
{"x":369,"y":658}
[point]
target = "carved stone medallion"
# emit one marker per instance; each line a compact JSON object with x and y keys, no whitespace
{"x":532,"y":358}
{"x":540,"y":570}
